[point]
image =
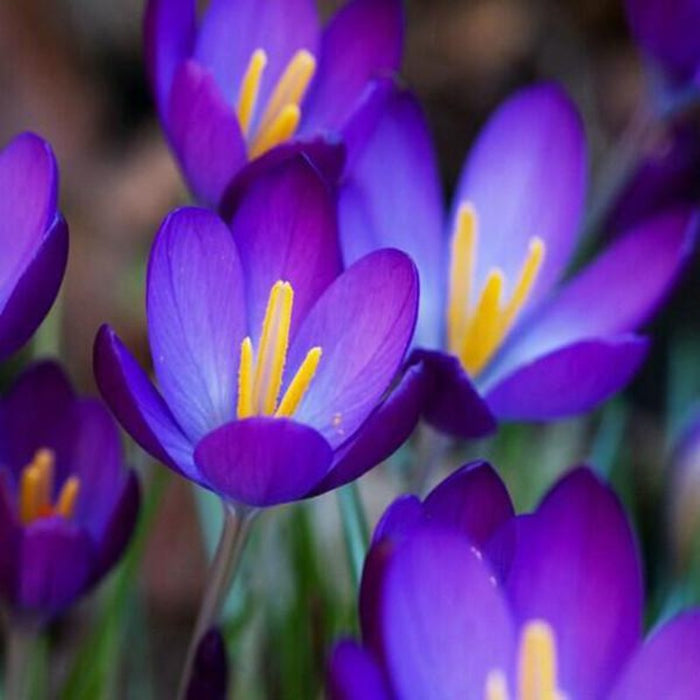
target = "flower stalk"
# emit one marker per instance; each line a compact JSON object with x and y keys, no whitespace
{"x":20,"y":641}
{"x":355,"y":529}
{"x":234,"y":535}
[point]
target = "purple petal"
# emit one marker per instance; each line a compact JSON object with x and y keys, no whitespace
{"x":387,"y":428}
{"x":35,"y":290}
{"x":37,"y":412}
{"x":606,"y":298}
{"x":326,"y":155}
{"x":232,"y":29}
{"x":204,"y":132}
{"x":526,"y":176}
{"x":169,"y":27}
{"x":571,"y":380}
{"x":363,"y":41}
{"x":473,"y":500}
{"x":393,"y":199}
{"x":667,"y":30}
{"x":666,"y":666}
{"x":453,"y":405}
{"x":363,"y":322}
{"x":263,"y":461}
{"x":56,"y":561}
{"x":28,"y":189}
{"x":119,"y":523}
{"x":445,"y":624}
{"x":196,"y":318}
{"x":139,"y":407}
{"x":97,"y":460}
{"x":399,"y":519}
{"x":285,"y":229}
{"x":353,"y":674}
{"x":577,"y":567}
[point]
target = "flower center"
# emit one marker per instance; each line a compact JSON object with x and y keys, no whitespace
{"x":537,"y":667}
{"x":260,"y":379}
{"x":281,"y":116}
{"x":36,"y":490}
{"x":476,"y":330}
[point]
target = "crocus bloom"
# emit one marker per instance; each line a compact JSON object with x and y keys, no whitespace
{"x":499,"y":331}
{"x":462,"y":599}
{"x":273,"y":364}
{"x":67,"y":505}
{"x":33,"y":239}
{"x":252,"y":75}
{"x":667,"y":31}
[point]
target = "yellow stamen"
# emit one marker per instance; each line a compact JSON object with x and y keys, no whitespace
{"x":461,"y":273}
{"x":526,"y":280}
{"x":290,"y":88}
{"x":44,"y":462}
{"x":482,"y":334}
{"x":475,"y":333}
{"x":36,"y":490}
{"x":273,"y":348}
{"x":245,"y":380}
{"x":537,"y":672}
{"x":496,"y":686}
{"x":260,"y":379}
{"x":68,"y":497}
{"x":282,"y":128}
{"x":30,"y":485}
{"x":250,"y":89}
{"x":298,"y":386}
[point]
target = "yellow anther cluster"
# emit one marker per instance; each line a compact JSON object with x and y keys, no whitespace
{"x":36,"y":489}
{"x":260,"y":377}
{"x":537,"y":667}
{"x":282,"y":113}
{"x":476,"y":330}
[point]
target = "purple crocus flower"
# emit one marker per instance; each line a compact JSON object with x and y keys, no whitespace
{"x":667,"y":31}
{"x":500,"y":332}
{"x":67,"y":505}
{"x":274,"y":366}
{"x":33,"y":239}
{"x":252,"y":75}
{"x":462,"y":599}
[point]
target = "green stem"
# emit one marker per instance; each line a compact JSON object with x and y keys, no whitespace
{"x":20,"y":641}
{"x":234,"y":535}
{"x":355,"y":529}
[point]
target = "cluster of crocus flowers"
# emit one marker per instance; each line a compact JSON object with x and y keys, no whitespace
{"x":251,"y":76}
{"x":501,"y":335}
{"x":461,"y":598}
{"x":67,"y":504}
{"x":275,"y":366}
{"x":33,"y":239}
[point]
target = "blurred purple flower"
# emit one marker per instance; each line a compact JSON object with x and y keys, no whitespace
{"x":67,"y":505}
{"x":499,"y":332}
{"x":462,"y":599}
{"x":667,"y":31}
{"x":210,"y":673}
{"x":274,"y":365}
{"x":252,"y":75}
{"x":33,"y":239}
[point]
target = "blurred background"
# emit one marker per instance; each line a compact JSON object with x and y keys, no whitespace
{"x":73,"y":71}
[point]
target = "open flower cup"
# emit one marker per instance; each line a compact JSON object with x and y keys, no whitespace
{"x":460,"y":598}
{"x":33,"y":239}
{"x":67,"y":505}
{"x":249,"y":77}
{"x":277,"y":369}
{"x":501,"y":334}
